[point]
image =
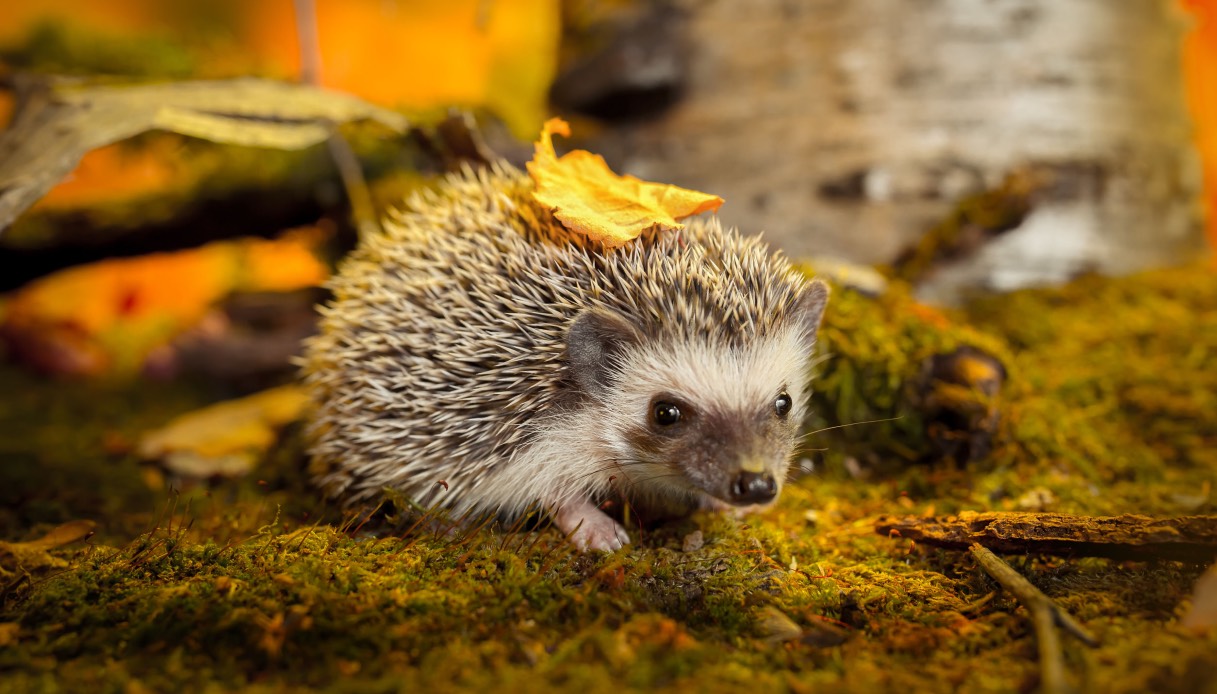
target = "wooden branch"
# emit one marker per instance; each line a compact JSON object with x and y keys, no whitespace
{"x":1188,"y":538}
{"x":344,"y":157}
{"x":56,"y":125}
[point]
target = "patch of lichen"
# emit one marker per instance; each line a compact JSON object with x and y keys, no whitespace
{"x":255,"y":587}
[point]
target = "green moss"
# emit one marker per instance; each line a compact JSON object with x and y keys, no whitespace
{"x":1131,"y":360}
{"x":256,"y":587}
{"x":866,"y":398}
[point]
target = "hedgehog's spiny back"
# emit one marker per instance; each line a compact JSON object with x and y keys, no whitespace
{"x":445,"y":338}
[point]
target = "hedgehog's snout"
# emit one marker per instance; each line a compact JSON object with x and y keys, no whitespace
{"x":753,"y":488}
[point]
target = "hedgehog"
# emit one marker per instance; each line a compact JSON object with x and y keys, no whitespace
{"x":479,"y":358}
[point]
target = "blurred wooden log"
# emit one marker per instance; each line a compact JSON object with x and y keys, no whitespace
{"x":1189,"y":538}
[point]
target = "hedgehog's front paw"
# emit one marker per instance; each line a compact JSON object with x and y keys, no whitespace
{"x":588,"y":528}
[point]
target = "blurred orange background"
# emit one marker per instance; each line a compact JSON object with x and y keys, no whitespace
{"x":416,"y":55}
{"x":1200,"y":73}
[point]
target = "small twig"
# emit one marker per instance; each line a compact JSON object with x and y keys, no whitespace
{"x":362,"y":208}
{"x":1046,"y":615}
{"x":1052,"y":657}
{"x":310,"y":46}
{"x":1028,"y":594}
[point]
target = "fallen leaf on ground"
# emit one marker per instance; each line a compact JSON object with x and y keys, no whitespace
{"x":226,"y":439}
{"x":35,"y":554}
{"x":64,"y":534}
{"x":773,"y":625}
{"x":588,"y":198}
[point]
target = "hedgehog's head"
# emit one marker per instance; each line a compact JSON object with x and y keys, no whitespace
{"x":705,"y":414}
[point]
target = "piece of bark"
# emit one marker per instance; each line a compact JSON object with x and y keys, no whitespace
{"x":639,"y":72}
{"x":1188,"y":538}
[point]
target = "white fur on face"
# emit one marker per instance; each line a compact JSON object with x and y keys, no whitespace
{"x":711,"y":377}
{"x":580,"y":453}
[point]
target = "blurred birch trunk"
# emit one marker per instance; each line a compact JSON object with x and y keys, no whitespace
{"x":848,"y":128}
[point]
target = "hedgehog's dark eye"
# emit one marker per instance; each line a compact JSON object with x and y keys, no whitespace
{"x":665,"y":413}
{"x":783,"y":404}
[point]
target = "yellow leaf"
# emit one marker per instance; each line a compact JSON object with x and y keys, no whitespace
{"x":35,"y":554}
{"x":64,"y":534}
{"x":225,"y":439}
{"x":588,"y":198}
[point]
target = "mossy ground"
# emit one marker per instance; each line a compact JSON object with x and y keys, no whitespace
{"x":253,"y":586}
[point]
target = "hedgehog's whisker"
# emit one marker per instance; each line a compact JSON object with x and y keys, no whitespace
{"x":661,"y":476}
{"x":626,"y":480}
{"x":795,"y":471}
{"x":850,"y":424}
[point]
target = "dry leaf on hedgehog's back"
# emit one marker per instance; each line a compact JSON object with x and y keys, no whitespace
{"x":588,"y":198}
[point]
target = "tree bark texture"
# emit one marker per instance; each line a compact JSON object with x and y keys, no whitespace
{"x":848,"y":127}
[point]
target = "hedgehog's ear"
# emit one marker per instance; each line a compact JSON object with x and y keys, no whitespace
{"x":593,"y":339}
{"x":810,"y":307}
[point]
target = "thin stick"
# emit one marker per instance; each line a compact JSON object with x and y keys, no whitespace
{"x":1052,"y":657}
{"x":1029,"y":595}
{"x":306,"y":35}
{"x":362,"y":208}
{"x":1046,"y":615}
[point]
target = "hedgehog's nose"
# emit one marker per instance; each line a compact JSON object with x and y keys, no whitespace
{"x":753,"y":488}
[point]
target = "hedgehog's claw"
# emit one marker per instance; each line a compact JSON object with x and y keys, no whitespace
{"x":588,"y":528}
